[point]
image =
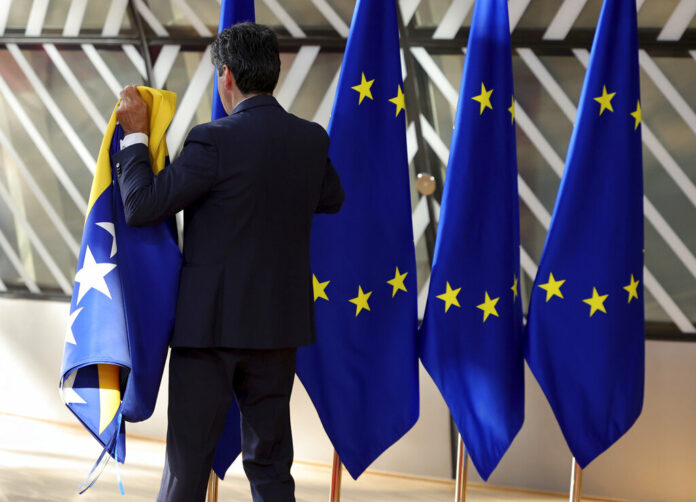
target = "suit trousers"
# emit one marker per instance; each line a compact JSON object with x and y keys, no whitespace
{"x":202,"y":385}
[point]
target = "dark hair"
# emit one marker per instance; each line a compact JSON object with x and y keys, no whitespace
{"x":250,"y":51}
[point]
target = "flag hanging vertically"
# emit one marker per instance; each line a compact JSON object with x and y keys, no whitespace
{"x":230,"y":444}
{"x":122,"y":309}
{"x":362,"y":374}
{"x":585,"y":332}
{"x":471,"y":336}
{"x":231,"y":12}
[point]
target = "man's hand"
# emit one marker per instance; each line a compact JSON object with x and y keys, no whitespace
{"x":132,"y":111}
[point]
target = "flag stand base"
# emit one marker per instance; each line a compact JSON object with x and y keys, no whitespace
{"x":336,"y":474}
{"x":213,"y":482}
{"x":575,"y":483}
{"x":462,"y":471}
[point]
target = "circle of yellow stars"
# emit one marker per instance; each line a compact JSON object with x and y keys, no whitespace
{"x":488,"y":307}
{"x":362,"y":300}
{"x":450,"y":297}
{"x":595,"y":301}
{"x":484,"y":101}
{"x":605,"y":103}
{"x":364,"y":90}
{"x":553,"y":288}
{"x":604,"y":100}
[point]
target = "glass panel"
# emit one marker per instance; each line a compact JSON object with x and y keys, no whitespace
{"x":430,"y":13}
{"x":55,"y":14}
{"x":10,"y":275}
{"x":316,"y":84}
{"x":95,"y":17}
{"x":343,"y":8}
{"x":539,"y":14}
{"x":654,"y":14}
{"x":93,"y":83}
{"x":19,"y":15}
{"x":169,"y":14}
{"x":669,"y":128}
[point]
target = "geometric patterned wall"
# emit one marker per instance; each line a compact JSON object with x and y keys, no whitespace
{"x":63,"y":62}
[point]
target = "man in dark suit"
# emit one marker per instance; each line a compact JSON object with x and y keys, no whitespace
{"x":250,"y":184}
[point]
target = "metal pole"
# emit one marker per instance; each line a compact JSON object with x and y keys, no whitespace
{"x":462,"y":471}
{"x":144,"y":48}
{"x":213,"y":482}
{"x":575,"y":482}
{"x":336,"y":474}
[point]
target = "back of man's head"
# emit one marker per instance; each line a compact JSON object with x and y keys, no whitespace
{"x":250,"y":51}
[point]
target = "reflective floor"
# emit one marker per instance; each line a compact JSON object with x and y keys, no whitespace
{"x":46,"y":462}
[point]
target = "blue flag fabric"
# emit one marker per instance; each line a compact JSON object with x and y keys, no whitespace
{"x":586,"y":331}
{"x":122,"y":309}
{"x":362,"y":374}
{"x":231,"y":12}
{"x":471,"y":336}
{"x":230,"y":444}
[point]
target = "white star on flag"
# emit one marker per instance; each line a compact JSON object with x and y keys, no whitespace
{"x":68,"y":393}
{"x":109,"y":227}
{"x":91,"y":276}
{"x":69,"y":335}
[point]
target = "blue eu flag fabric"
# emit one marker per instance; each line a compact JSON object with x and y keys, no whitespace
{"x":471,"y":336}
{"x":123,"y":304}
{"x":231,"y":12}
{"x":585,"y":331}
{"x":230,"y":444}
{"x":362,"y":374}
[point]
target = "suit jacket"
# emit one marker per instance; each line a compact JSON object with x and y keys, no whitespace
{"x":249,"y":184}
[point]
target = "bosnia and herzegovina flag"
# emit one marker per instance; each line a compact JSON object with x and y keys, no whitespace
{"x":471,"y":336}
{"x":585,"y":330}
{"x":362,"y":374}
{"x":122,"y":309}
{"x":230,"y":444}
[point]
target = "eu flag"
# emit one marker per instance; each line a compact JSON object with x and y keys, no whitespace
{"x":585,"y":332}
{"x":471,"y":336}
{"x":230,"y":444}
{"x":122,"y":309}
{"x":231,"y":12}
{"x":362,"y":374}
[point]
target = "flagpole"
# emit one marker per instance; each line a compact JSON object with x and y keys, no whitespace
{"x":213,"y":481}
{"x":462,"y":470}
{"x":336,"y":474}
{"x":575,"y":482}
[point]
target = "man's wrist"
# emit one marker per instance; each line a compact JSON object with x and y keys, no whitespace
{"x":135,"y":138}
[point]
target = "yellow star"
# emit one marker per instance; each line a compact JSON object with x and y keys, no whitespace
{"x":319,"y":288}
{"x":450,"y":297}
{"x":514,"y":288}
{"x":512,"y":111}
{"x":552,"y":288}
{"x":364,"y":88}
{"x":484,"y":98}
{"x":637,"y":115}
{"x":360,"y":301}
{"x":596,"y":302}
{"x":399,"y":101}
{"x":488,"y":307}
{"x":397,"y":283}
{"x":632,"y":289}
{"x":605,"y":100}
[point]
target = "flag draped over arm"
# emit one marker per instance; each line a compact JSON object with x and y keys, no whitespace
{"x":471,"y":336}
{"x":585,"y":331}
{"x":122,"y":309}
{"x":230,"y":444}
{"x":362,"y":374}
